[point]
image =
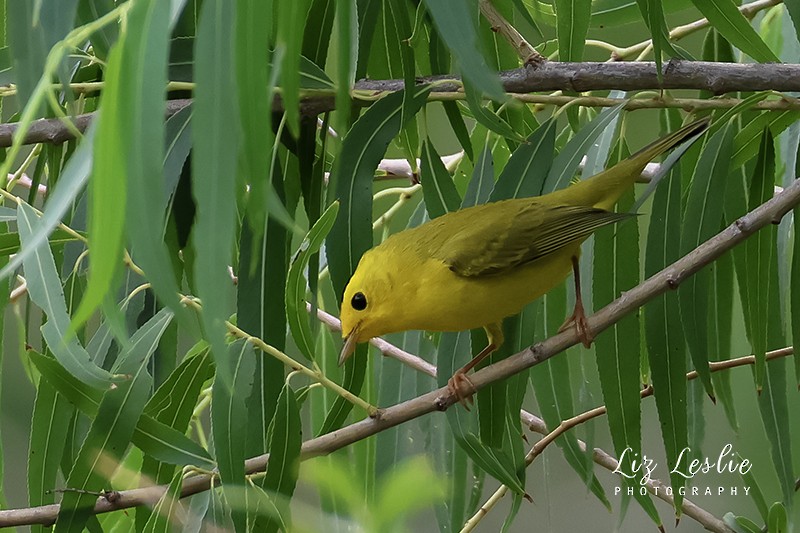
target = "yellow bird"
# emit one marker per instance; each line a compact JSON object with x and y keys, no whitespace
{"x":473,"y":267}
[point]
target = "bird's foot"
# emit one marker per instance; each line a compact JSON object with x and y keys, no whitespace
{"x":462,"y":388}
{"x":578,"y":320}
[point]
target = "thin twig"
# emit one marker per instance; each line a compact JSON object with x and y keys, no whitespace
{"x":768,"y":213}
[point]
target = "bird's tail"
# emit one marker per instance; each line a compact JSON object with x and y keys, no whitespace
{"x":604,"y":189}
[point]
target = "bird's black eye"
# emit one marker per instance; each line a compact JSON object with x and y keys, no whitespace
{"x":359,"y":301}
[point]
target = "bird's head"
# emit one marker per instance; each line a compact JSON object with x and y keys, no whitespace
{"x":370,"y":306}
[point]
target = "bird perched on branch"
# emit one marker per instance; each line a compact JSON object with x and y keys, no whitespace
{"x":473,"y":267}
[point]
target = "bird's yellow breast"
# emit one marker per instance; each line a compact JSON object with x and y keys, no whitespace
{"x":445,"y":301}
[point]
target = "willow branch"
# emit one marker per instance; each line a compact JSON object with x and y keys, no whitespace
{"x":499,"y":24}
{"x":771,"y":212}
{"x":718,"y":78}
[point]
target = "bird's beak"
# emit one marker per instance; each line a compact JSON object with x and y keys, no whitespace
{"x":349,"y":345}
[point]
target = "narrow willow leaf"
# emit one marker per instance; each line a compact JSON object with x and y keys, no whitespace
{"x":215,"y":132}
{"x":113,"y":427}
{"x":362,"y":150}
{"x":747,"y":140}
{"x":566,"y":162}
{"x":291,"y":18}
{"x":296,"y":313}
{"x":485,"y":116}
{"x":553,"y":389}
{"x":285,"y":439}
{"x":173,"y":404}
{"x":105,"y":37}
{"x":605,"y":13}
{"x":729,"y":21}
{"x":524,"y":174}
{"x":167,"y":512}
{"x":49,"y":426}
{"x":9,"y":242}
{"x":319,"y":25}
{"x":616,"y":269}
{"x":438,"y":188}
{"x":28,"y":45}
{"x":759,"y":252}
{"x":572,"y":25}
{"x":351,"y":235}
{"x":795,"y":295}
{"x":774,"y":408}
{"x":666,"y":347}
{"x":142,"y":130}
{"x":456,"y":24}
{"x":482,"y":182}
{"x":704,"y":205}
{"x":44,"y":288}
{"x":348,"y":46}
{"x":229,"y":418}
{"x":108,"y":190}
{"x":151,"y":436}
{"x":721,"y":330}
{"x":653,"y":15}
{"x":70,"y":184}
{"x":454,"y":350}
{"x":261,"y":311}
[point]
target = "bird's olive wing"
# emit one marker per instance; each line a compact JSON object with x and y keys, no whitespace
{"x":495,"y":245}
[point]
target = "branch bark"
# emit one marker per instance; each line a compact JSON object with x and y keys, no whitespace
{"x":718,"y":78}
{"x":771,"y":212}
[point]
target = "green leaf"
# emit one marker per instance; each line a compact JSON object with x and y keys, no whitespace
{"x":113,"y":427}
{"x":105,"y":37}
{"x":795,"y":295}
{"x":758,"y":253}
{"x":729,"y":21}
{"x":141,"y":129}
{"x":524,"y":174}
{"x":9,"y":242}
{"x":319,"y":25}
{"x":167,"y":510}
{"x":411,"y":486}
{"x":485,"y":116}
{"x":438,"y":188}
{"x":215,"y":132}
{"x":70,"y":184}
{"x":747,"y":140}
{"x":572,"y":25}
{"x":566,"y":162}
{"x":454,"y":351}
{"x":108,"y":189}
{"x":616,"y":269}
{"x":703,"y":212}
{"x":229,"y":418}
{"x":173,"y":405}
{"x":44,"y":288}
{"x":285,"y":439}
{"x":653,"y":15}
{"x":49,"y":425}
{"x":553,"y":389}
{"x":362,"y":150}
{"x":28,"y":44}
{"x":296,"y":313}
{"x":291,"y":17}
{"x":456,"y":24}
{"x":666,"y":347}
{"x":482,"y":182}
{"x":151,"y":436}
{"x":778,"y":519}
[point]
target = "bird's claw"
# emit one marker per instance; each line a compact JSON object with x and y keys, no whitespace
{"x":462,"y":388}
{"x":578,"y":320}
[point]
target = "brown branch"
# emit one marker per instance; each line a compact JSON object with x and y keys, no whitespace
{"x":718,"y":78}
{"x":771,"y":212}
